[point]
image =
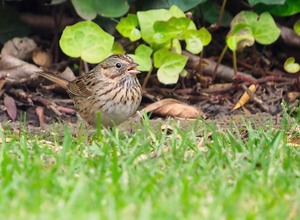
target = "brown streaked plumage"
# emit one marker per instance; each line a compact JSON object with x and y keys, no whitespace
{"x":111,"y":88}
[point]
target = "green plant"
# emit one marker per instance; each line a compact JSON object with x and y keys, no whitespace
{"x":248,"y":27}
{"x":87,"y":40}
{"x":160,"y":32}
{"x":291,"y":66}
{"x":163,"y":30}
{"x":297,"y":27}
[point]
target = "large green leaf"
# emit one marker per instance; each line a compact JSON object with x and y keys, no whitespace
{"x":148,"y":18}
{"x":265,"y":30}
{"x":196,"y":39}
{"x":142,"y":56}
{"x":247,"y":26}
{"x":88,"y":9}
{"x":166,"y":30}
{"x":127,"y":27}
{"x":87,"y":40}
{"x":170,"y":65}
{"x":173,"y":28}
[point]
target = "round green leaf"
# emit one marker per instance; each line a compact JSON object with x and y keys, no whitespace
{"x":87,"y":40}
{"x":170,"y":65}
{"x":290,"y":65}
{"x":196,"y":39}
{"x":297,"y":27}
{"x":262,"y":27}
{"x":148,"y":18}
{"x":127,"y":27}
{"x":265,"y":30}
{"x":142,"y":57}
{"x":164,"y":32}
{"x":193,"y":42}
{"x":205,"y":36}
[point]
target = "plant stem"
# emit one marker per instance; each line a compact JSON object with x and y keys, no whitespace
{"x":219,"y":62}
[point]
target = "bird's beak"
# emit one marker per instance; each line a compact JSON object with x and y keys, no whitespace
{"x":132,"y":69}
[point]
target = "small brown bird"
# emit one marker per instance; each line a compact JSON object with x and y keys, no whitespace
{"x":111,"y":88}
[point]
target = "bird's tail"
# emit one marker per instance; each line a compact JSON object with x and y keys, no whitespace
{"x":53,"y":78}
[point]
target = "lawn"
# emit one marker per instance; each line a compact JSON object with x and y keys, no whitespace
{"x":147,"y":173}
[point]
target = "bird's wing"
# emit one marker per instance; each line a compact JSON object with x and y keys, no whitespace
{"x":78,"y":87}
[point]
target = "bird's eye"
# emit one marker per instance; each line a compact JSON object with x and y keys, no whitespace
{"x":118,"y":65}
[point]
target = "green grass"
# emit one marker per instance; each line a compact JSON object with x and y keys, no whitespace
{"x":151,"y":175}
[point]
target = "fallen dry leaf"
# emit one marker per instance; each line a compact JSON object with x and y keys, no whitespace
{"x":42,"y":58}
{"x":10,"y":106}
{"x":16,"y":71}
{"x":21,"y":48}
{"x":245,"y":97}
{"x":174,"y":108}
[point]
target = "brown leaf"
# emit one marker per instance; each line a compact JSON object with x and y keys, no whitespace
{"x":245,"y":97}
{"x":42,"y":58}
{"x":174,"y":108}
{"x":10,"y":106}
{"x":21,"y":48}
{"x":16,"y":71}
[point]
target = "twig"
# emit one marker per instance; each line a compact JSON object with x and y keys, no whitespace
{"x":147,"y":78}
